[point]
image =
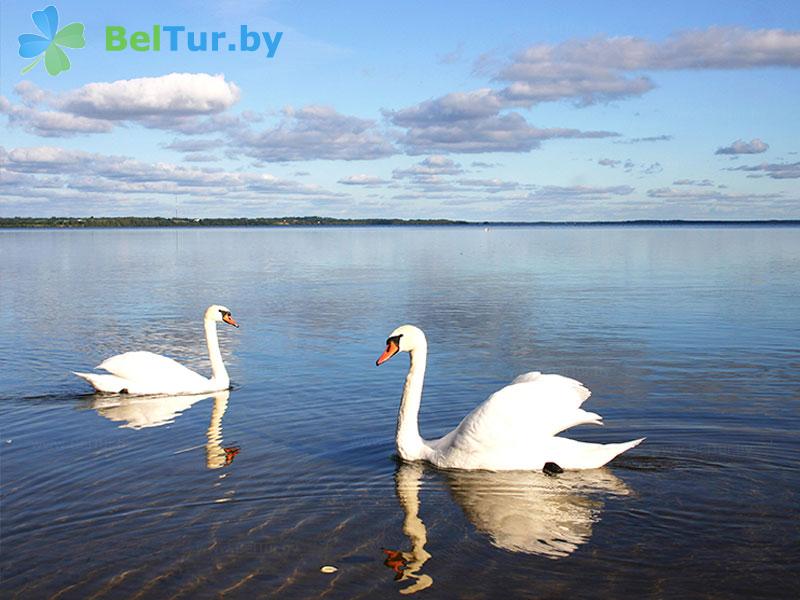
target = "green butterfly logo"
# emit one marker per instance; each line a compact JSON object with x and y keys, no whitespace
{"x":32,"y":45}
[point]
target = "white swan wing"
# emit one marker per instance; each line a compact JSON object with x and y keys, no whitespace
{"x":150,"y":367}
{"x":567,"y":390}
{"x":534,"y":406}
{"x":530,"y":376}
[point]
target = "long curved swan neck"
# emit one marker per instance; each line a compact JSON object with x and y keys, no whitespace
{"x":218,"y":372}
{"x":410,"y":445}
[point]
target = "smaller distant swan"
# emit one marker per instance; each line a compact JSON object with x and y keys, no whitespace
{"x":146,"y":373}
{"x":514,"y":429}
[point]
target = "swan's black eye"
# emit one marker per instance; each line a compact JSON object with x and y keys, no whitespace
{"x":395,"y":339}
{"x":225,"y":313}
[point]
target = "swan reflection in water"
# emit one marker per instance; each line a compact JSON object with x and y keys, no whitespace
{"x":519,"y":511}
{"x":407,"y":565}
{"x":139,"y":412}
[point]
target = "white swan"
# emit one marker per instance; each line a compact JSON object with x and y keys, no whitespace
{"x":145,"y":373}
{"x":514,"y":429}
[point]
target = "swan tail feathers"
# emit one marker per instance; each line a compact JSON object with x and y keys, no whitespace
{"x":574,"y":455}
{"x":104,"y":383}
{"x":623,"y":446}
{"x":608,"y":452}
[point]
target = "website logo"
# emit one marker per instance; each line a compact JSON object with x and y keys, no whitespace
{"x":176,"y":37}
{"x":48,"y":45}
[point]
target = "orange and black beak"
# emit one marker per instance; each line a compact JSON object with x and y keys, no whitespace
{"x":229,"y":319}
{"x":392,"y":348}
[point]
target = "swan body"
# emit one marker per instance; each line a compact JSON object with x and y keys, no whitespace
{"x":146,"y":373}
{"x":514,"y":429}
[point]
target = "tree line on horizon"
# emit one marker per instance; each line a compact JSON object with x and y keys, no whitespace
{"x":62,"y":222}
{"x":121,"y":222}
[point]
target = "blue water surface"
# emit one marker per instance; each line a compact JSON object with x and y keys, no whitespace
{"x":687,"y":335}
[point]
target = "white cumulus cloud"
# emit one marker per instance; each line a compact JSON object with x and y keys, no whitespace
{"x":176,"y":94}
{"x":605,"y":68}
{"x":772,"y":170}
{"x":362,"y":179}
{"x":755,"y":146}
{"x":186,"y":102}
{"x":315,"y":132}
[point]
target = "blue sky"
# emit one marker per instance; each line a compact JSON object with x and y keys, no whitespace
{"x":464,"y":110}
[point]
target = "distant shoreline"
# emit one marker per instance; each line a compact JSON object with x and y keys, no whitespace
{"x":314,"y":221}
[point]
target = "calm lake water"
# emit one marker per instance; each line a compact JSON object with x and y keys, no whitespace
{"x":689,"y":336}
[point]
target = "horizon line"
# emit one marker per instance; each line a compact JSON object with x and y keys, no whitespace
{"x":315,"y":220}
